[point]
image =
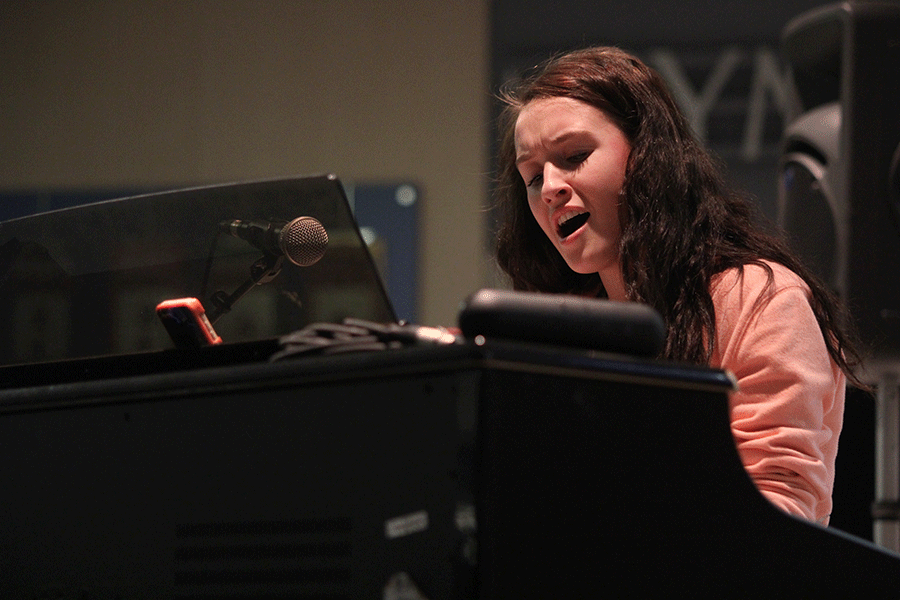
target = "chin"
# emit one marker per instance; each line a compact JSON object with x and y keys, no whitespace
{"x":582,"y":269}
{"x":585,"y":265}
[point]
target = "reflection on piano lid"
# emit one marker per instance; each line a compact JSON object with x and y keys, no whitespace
{"x":84,"y":282}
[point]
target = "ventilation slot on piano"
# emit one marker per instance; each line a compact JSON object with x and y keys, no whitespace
{"x":290,"y":559}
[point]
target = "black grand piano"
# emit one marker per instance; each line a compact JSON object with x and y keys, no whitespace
{"x":485,"y":468}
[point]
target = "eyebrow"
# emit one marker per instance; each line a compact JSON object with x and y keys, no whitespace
{"x":563,"y":137}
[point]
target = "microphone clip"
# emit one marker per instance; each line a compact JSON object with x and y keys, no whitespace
{"x":262,"y":272}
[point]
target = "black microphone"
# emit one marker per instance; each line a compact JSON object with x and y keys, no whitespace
{"x":303,"y":241}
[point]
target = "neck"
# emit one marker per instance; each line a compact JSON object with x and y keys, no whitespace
{"x":614,"y":284}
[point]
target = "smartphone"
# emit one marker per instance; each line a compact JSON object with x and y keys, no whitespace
{"x":187,"y":323}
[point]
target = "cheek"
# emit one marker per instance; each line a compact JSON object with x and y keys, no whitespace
{"x":532,"y":206}
{"x":539,"y":213}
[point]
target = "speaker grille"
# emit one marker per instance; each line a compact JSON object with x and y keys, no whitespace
{"x":289,"y":559}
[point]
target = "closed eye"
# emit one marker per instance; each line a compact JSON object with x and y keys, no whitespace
{"x":573,"y":161}
{"x":578,"y":158}
{"x":534,"y":181}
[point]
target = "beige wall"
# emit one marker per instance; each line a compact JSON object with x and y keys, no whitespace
{"x":173,"y":92}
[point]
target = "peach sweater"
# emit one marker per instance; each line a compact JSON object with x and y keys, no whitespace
{"x":787,"y":413}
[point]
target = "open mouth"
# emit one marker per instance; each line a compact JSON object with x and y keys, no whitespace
{"x":571,"y":223}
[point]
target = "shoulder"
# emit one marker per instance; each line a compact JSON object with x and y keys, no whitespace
{"x":755,"y":282}
{"x":759,"y":304}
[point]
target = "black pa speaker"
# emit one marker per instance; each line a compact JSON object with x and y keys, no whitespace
{"x":838,"y":178}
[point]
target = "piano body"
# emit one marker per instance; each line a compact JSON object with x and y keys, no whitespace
{"x":132,"y":469}
{"x":493,"y":471}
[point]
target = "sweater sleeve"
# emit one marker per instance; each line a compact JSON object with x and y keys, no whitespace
{"x":787,"y":413}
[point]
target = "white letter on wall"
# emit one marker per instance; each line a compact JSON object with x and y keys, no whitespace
{"x":767,"y":75}
{"x":696,"y":106}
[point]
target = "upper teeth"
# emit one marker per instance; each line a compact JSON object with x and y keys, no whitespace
{"x":568,"y":216}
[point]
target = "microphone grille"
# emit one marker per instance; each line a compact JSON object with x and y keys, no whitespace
{"x":303,"y":241}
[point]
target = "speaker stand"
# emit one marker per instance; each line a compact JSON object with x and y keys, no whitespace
{"x":886,"y":509}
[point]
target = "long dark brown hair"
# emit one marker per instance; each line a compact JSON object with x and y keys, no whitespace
{"x":681,"y":223}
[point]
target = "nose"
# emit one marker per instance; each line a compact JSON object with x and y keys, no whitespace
{"x":555,"y":186}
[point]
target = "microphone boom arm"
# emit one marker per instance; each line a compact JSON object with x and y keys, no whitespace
{"x":262,"y":271}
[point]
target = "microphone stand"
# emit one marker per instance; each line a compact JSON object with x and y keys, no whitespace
{"x":262,"y":271}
